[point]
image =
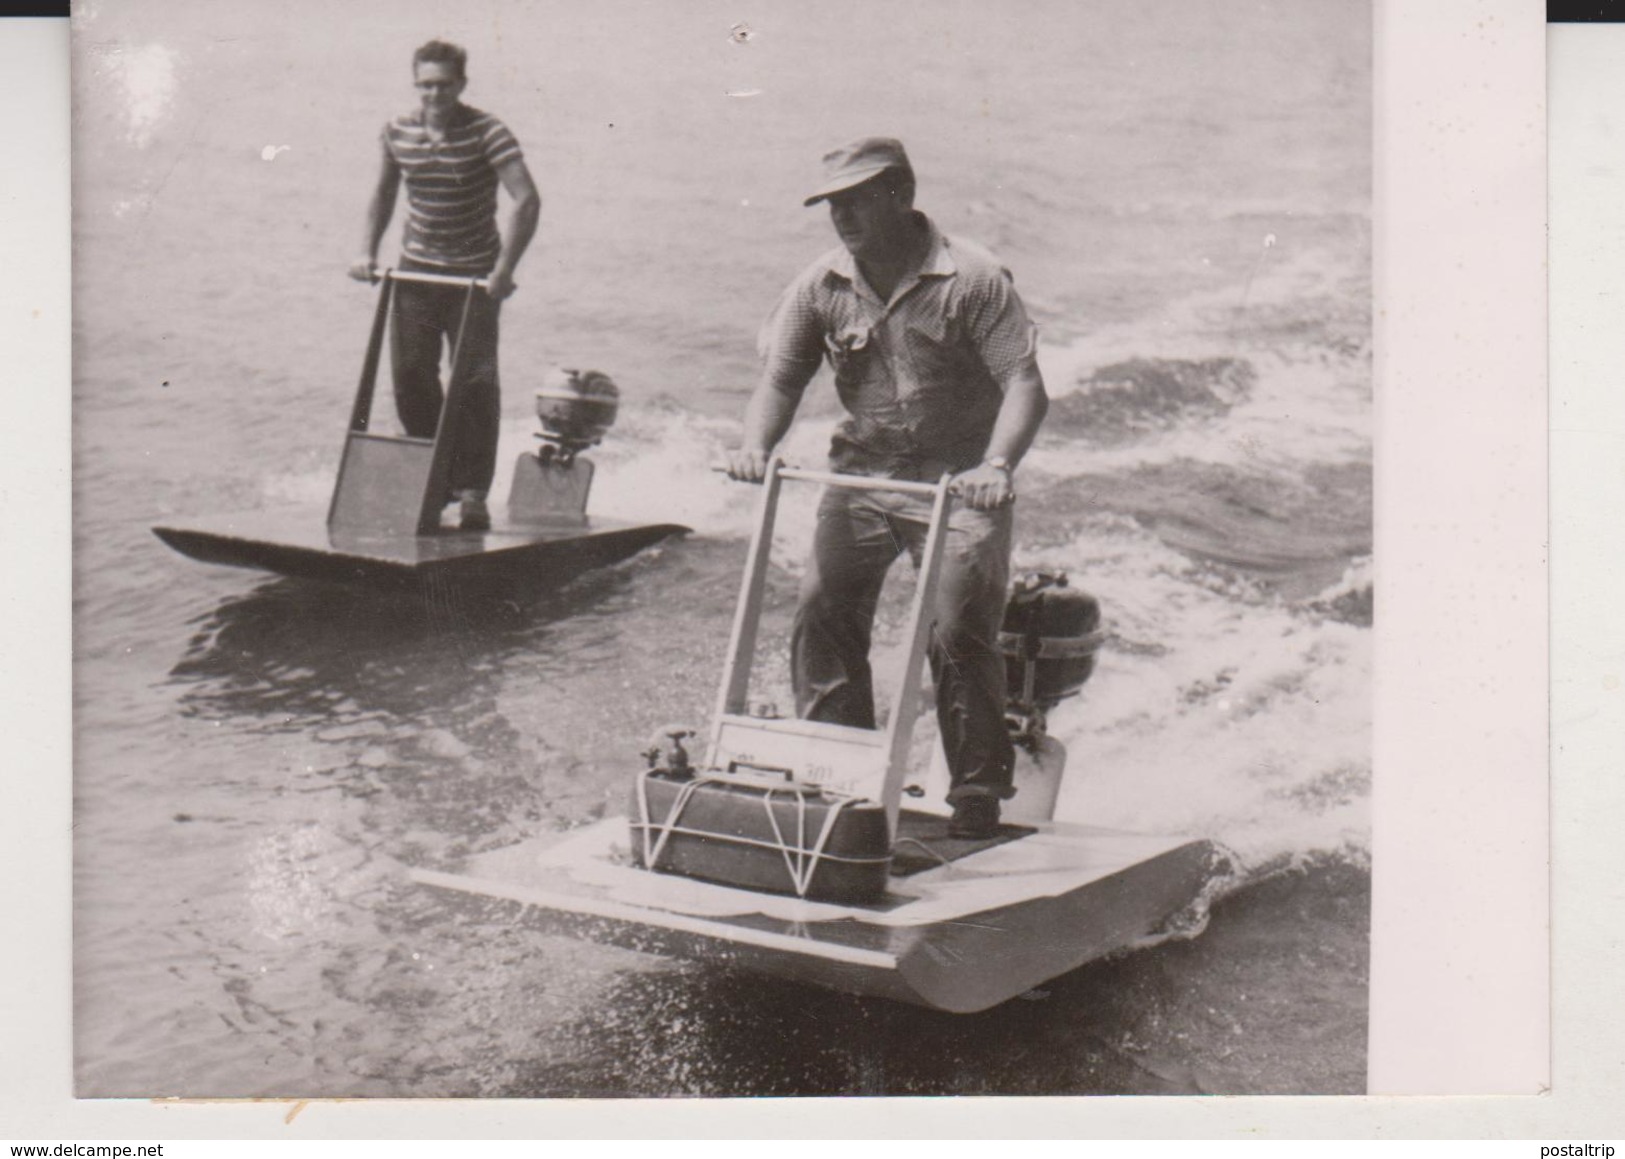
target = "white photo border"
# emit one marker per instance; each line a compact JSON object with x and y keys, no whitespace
{"x":1460,"y":969}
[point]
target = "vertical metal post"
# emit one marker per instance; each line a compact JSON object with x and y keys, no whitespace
{"x":900,"y":728}
{"x":361,"y":410}
{"x":446,"y":429}
{"x":731,"y":700}
{"x":361,"y":413}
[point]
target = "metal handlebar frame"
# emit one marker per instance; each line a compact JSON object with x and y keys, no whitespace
{"x":431,"y":279}
{"x":732,"y":697}
{"x":428,"y":518}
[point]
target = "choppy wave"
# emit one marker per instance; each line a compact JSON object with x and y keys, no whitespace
{"x":1126,"y":399}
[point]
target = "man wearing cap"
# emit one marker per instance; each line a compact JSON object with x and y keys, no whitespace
{"x":934,"y":361}
{"x":452,"y":158}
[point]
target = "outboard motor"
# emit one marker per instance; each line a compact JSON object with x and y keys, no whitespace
{"x":1049,"y":638}
{"x":550,"y":487}
{"x":577,"y":408}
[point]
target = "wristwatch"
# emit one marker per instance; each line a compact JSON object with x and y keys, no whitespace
{"x":999,"y":462}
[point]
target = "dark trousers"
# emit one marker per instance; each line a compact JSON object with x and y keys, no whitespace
{"x":859,"y":536}
{"x":425,"y":325}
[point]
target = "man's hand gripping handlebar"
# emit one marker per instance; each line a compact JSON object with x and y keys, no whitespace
{"x":744,"y":466}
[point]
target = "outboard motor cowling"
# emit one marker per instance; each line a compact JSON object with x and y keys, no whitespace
{"x":577,"y":408}
{"x":1049,"y":638}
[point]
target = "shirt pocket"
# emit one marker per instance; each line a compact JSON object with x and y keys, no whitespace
{"x":853,"y":354}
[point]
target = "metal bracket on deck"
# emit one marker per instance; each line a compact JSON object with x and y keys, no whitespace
{"x":550,"y":492}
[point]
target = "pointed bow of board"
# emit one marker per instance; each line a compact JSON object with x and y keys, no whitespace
{"x":293,"y":544}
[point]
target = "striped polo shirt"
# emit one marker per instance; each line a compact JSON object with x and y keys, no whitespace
{"x":922,"y":376}
{"x":451,"y":187}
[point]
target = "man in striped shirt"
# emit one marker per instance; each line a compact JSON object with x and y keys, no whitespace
{"x":934,"y":361}
{"x":451,"y":158}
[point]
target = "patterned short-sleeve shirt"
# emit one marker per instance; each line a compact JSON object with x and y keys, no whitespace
{"x":451,"y":187}
{"x":922,"y":376}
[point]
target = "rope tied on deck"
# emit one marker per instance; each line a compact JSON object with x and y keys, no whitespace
{"x":801,"y":861}
{"x":653,"y":849}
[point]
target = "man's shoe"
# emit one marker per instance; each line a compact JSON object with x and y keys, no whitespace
{"x":475,"y":515}
{"x":975,"y":817}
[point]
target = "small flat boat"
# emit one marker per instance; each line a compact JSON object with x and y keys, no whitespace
{"x":383,"y":526}
{"x":962,"y":936}
{"x":788,"y":851}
